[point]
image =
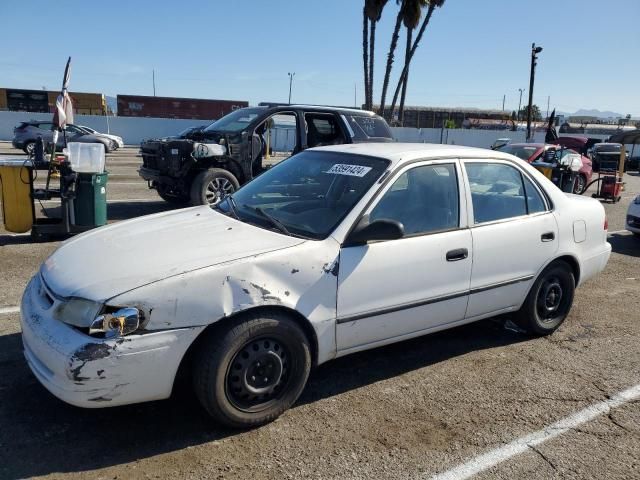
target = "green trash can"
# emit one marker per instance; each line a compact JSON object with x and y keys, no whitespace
{"x":90,"y":204}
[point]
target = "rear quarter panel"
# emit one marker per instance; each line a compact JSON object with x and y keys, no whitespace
{"x":582,"y":234}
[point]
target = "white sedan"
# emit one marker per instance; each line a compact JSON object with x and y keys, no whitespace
{"x":335,"y":250}
{"x":633,"y":217}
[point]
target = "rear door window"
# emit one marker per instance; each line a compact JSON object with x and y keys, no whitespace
{"x":497,"y":191}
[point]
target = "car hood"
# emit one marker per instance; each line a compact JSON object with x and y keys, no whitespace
{"x":117,"y":258}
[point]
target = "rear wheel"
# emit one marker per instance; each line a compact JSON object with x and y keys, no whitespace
{"x":249,"y":373}
{"x":579,"y":184}
{"x":212,"y":185}
{"x":549,"y":300}
{"x":29,"y":148}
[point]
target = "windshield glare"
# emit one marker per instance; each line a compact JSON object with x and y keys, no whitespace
{"x":235,"y":121}
{"x":309,"y":194}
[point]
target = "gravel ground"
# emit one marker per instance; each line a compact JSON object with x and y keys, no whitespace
{"x":409,"y":410}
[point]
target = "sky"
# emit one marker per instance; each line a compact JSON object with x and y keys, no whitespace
{"x":472,"y":53}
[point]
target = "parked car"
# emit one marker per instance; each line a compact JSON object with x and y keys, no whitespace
{"x":633,"y":217}
{"x":233,"y":150}
{"x":115,"y":138}
{"x":26,"y":134}
{"x":336,"y":250}
{"x":532,"y":152}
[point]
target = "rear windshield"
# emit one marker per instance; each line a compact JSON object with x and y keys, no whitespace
{"x":368,"y":127}
{"x":523,"y":152}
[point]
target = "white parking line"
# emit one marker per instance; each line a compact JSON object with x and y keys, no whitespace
{"x":528,"y":442}
{"x":8,"y":310}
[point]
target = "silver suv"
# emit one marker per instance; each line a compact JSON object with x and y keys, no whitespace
{"x":26,"y":134}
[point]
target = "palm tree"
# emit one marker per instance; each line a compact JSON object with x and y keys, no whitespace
{"x":365,"y":55}
{"x":372,"y":12}
{"x":410,"y":19}
{"x":390,"y":55}
{"x":405,"y":71}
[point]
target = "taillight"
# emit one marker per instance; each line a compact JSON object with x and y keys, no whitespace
{"x":606,"y":223}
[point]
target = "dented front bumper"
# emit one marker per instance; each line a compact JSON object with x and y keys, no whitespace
{"x":92,"y":372}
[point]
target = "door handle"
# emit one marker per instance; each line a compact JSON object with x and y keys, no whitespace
{"x":457,"y":254}
{"x":548,"y":237}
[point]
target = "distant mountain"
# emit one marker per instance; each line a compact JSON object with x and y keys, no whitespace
{"x":597,"y":113}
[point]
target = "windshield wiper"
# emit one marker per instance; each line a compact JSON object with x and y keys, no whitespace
{"x":233,"y":208}
{"x":274,"y":221}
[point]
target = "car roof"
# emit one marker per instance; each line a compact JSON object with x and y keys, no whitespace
{"x":401,"y":153}
{"x":536,"y":145}
{"x":353,"y":111}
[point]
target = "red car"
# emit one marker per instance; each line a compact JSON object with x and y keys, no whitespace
{"x":536,"y":151}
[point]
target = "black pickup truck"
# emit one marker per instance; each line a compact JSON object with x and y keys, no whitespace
{"x":242,"y":144}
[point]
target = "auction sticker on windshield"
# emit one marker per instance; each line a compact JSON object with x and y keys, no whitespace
{"x":351,"y":170}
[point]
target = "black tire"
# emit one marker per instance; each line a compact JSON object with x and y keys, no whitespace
{"x":210,"y":186}
{"x":228,"y":360}
{"x":29,"y":148}
{"x":549,"y":300}
{"x":179,"y":199}
{"x":579,"y":184}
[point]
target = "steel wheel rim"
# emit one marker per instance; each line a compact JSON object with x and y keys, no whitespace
{"x":217,"y":189}
{"x":579,"y":185}
{"x":30,"y":148}
{"x":258,"y":374}
{"x":550,"y":299}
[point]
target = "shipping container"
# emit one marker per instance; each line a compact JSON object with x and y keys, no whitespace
{"x":43,"y":101}
{"x":171,"y":107}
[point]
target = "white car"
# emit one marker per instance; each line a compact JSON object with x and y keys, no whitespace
{"x":633,"y":217}
{"x":115,"y":138}
{"x":335,"y":250}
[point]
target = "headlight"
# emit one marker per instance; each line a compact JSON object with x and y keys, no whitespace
{"x":121,"y":322}
{"x":78,"y":312}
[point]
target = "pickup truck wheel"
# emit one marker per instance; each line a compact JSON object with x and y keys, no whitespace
{"x":212,"y":185}
{"x":171,"y":197}
{"x":249,"y":373}
{"x":549,"y":300}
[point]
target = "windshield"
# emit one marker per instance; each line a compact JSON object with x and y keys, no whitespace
{"x":524,"y":152}
{"x":309,"y":194}
{"x":235,"y":121}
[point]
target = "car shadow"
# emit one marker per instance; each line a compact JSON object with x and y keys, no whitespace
{"x":625,"y":244}
{"x":115,"y":212}
{"x":42,"y":435}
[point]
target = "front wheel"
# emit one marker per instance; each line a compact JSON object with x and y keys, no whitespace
{"x":549,"y":300}
{"x":249,"y":373}
{"x":212,"y":185}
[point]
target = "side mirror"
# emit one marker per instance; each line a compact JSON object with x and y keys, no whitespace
{"x":382,"y":229}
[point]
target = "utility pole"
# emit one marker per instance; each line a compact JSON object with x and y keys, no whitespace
{"x":519,"y":103}
{"x":534,"y":56}
{"x":504,"y":98}
{"x":291,"y":75}
{"x":154,"y":81}
{"x":548,"y":101}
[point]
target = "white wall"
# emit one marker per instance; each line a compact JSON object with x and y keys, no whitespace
{"x":132,"y":129}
